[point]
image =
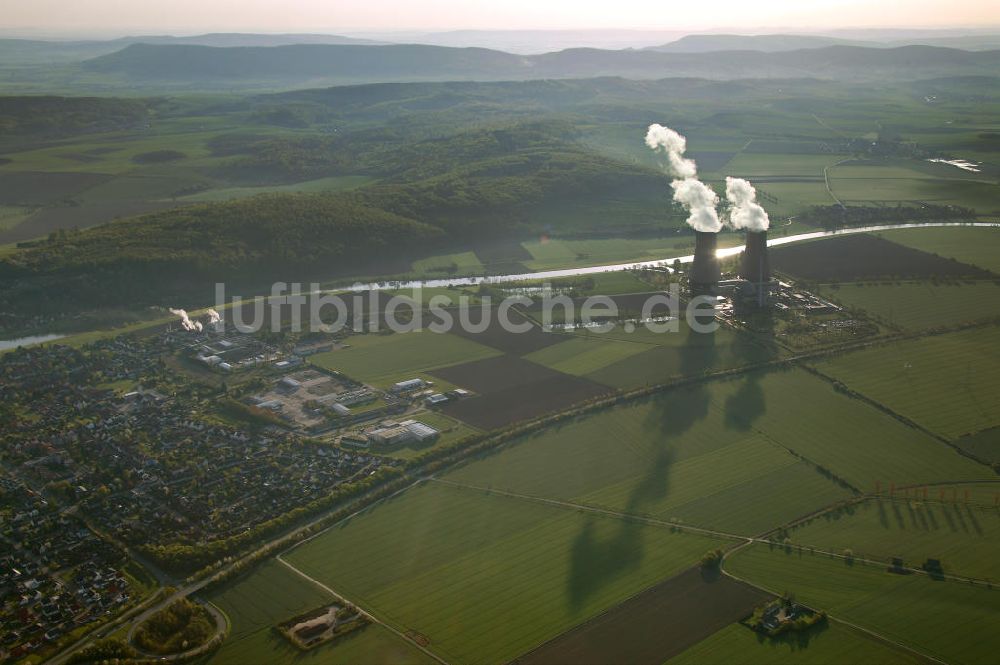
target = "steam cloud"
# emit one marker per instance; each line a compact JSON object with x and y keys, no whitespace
{"x":699,"y":199}
{"x":186,"y":322}
{"x":668,"y":142}
{"x":213,"y":316}
{"x":746,"y":213}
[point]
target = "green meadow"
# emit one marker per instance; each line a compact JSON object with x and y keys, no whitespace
{"x":947,"y":383}
{"x":272,"y":593}
{"x":963,"y":536}
{"x":923,"y":305}
{"x":486,"y":578}
{"x":947,"y":620}
{"x":974,"y":246}
{"x":384,"y":359}
{"x":722,"y":454}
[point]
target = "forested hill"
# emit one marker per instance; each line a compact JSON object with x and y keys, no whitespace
{"x":295,"y":64}
{"x":432,"y":195}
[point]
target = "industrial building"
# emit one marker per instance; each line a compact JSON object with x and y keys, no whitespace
{"x":409,"y":385}
{"x":390,"y":434}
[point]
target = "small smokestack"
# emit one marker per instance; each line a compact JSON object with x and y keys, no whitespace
{"x":704,"y":276}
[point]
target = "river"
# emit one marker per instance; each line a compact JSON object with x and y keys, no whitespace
{"x":544,"y":275}
{"x":666,"y":261}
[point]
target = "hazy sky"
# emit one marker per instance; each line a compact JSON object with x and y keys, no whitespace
{"x":189,"y":16}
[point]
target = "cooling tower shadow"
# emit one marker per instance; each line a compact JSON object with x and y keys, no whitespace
{"x":596,"y":560}
{"x":748,"y":403}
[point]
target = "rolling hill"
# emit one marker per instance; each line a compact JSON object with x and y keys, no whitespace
{"x":766,"y":43}
{"x":292,"y":65}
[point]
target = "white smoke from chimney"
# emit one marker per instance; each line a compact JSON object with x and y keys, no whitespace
{"x":668,"y":142}
{"x":214,"y":320}
{"x":697,"y":197}
{"x":186,"y":322}
{"x":700,"y":201}
{"x":745,"y":213}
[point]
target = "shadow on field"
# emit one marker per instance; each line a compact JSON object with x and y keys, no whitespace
{"x":744,"y":407}
{"x":596,"y":562}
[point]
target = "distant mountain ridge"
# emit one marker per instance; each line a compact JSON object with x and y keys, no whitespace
{"x":792,"y":42}
{"x":37,"y":51}
{"x":288,"y":65}
{"x":765,"y":43}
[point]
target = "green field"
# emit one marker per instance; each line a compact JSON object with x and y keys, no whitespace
{"x":921,"y":305}
{"x":944,"y":619}
{"x":763,"y":164}
{"x":833,"y":644}
{"x":791,"y":197}
{"x":985,"y":444}
{"x":461,"y":263}
{"x":670,"y":355}
{"x":485,"y":578}
{"x":717,"y":454}
{"x":557,"y":253}
{"x":582,"y":355}
{"x":382,"y":360}
{"x":964,"y":537}
{"x":273,"y":593}
{"x":892,"y":183}
{"x":947,"y":383}
{"x":974,"y":246}
{"x":686,"y":456}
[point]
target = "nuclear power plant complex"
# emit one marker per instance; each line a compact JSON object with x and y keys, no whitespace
{"x":752,"y":284}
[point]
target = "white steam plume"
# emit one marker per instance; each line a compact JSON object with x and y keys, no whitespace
{"x":698,"y":198}
{"x":213,"y":316}
{"x":186,"y":322}
{"x":668,"y":142}
{"x":700,"y":201}
{"x":746,"y":213}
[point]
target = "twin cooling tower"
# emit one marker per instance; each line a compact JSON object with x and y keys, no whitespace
{"x":755,"y":268}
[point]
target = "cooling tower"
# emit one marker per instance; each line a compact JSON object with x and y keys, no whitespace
{"x":754,"y":266}
{"x":704,"y":277}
